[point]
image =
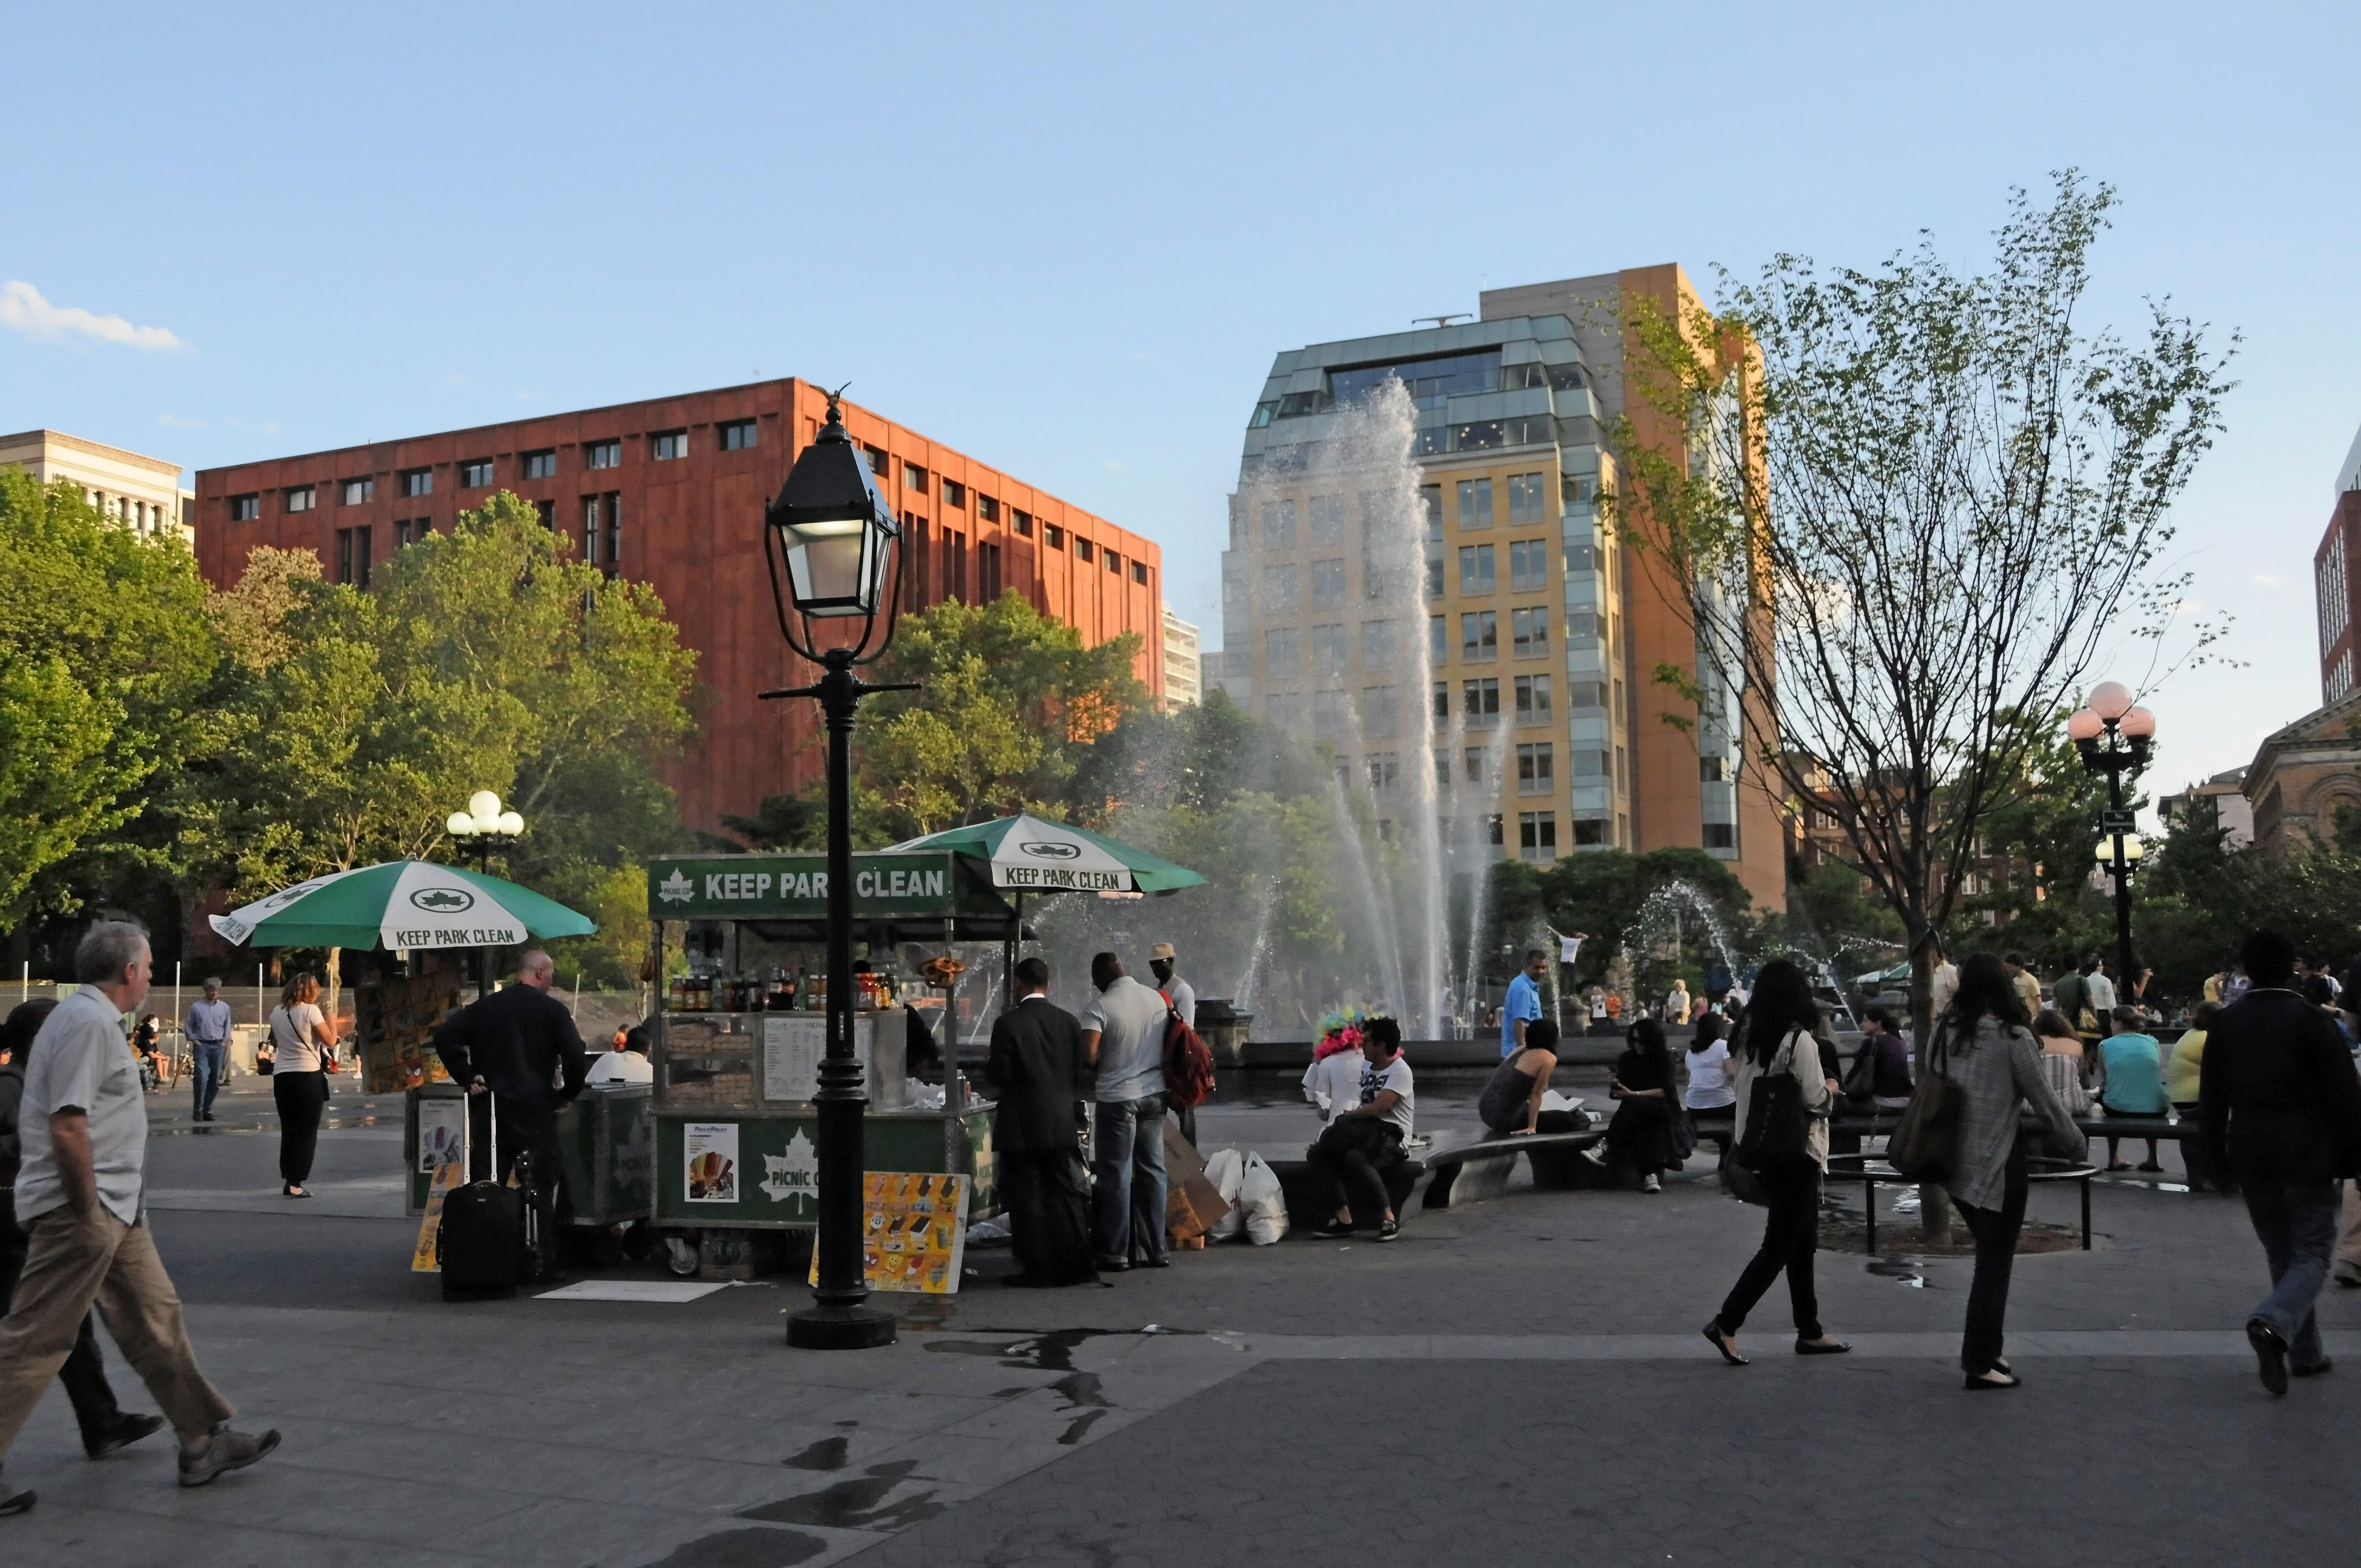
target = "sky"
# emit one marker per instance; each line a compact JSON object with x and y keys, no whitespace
{"x":1068,"y":240}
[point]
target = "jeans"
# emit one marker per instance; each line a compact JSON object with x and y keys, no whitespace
{"x":211,"y":1060}
{"x":301,"y":1097}
{"x":2296,"y":1225}
{"x":1995,"y":1231}
{"x":1127,"y":1159}
{"x":1351,"y":1159}
{"x":1790,"y":1236}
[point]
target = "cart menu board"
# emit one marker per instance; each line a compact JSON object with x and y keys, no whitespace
{"x":395,"y":1021}
{"x":913,"y":1232}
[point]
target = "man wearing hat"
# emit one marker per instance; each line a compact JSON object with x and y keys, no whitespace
{"x":1183,"y":997}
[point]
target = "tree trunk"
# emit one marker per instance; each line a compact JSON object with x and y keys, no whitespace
{"x":1933,"y":1203}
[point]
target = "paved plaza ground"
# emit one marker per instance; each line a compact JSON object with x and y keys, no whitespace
{"x":1521,"y":1381}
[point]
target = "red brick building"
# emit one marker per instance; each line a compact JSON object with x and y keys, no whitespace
{"x":671,"y":492}
{"x":2336,"y":579}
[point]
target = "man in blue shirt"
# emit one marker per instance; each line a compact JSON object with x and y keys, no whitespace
{"x":1524,"y":1003}
{"x":207,"y":1026}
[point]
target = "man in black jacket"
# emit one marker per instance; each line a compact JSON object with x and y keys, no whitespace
{"x":2281,"y":1111}
{"x":514,"y":1046}
{"x":1039,"y":1071}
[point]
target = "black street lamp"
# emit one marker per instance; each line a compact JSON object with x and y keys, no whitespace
{"x":2128,"y":732}
{"x":834,"y":533}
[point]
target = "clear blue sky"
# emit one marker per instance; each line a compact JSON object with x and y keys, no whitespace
{"x":1069,"y":240}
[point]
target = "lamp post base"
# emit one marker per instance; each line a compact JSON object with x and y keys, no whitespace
{"x":839,"y":1328}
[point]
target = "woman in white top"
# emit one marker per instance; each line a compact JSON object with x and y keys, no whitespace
{"x":304,"y":1044}
{"x":1333,"y":1082}
{"x":1709,"y":1064}
{"x":1777,"y":1036}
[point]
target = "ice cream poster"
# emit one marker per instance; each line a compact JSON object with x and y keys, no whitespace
{"x":913,"y":1232}
{"x":441,"y":1133}
{"x":709,"y":1154}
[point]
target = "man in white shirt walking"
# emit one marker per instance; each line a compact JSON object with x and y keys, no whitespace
{"x":1123,"y":1035}
{"x":85,"y":1127}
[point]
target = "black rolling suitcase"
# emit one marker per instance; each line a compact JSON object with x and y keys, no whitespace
{"x":482,"y":1244}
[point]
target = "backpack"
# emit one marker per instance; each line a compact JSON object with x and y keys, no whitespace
{"x":1187,"y":1064}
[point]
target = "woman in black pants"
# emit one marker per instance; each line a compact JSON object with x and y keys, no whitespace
{"x":1984,"y":1044}
{"x":304,"y":1043}
{"x":1775,"y":1036}
{"x":1641,"y":1135}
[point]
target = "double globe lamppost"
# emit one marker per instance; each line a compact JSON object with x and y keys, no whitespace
{"x":483,"y":830}
{"x":2113,"y":737}
{"x":833,"y":534}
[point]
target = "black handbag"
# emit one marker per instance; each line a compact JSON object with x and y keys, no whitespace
{"x":1778,"y":1131}
{"x":1925,"y":1145}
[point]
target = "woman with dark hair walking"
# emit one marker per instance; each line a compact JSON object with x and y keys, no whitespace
{"x":1983,"y":1046}
{"x":1774,"y":1037}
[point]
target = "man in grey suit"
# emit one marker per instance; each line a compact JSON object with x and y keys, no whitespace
{"x":1038,"y":1070}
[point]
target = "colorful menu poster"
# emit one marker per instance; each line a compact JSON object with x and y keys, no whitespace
{"x":913,"y":1232}
{"x":441,"y":1133}
{"x":710,"y":1151}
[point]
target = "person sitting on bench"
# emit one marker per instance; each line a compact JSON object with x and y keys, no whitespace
{"x":1511,"y":1102}
{"x":2134,"y":1080}
{"x":1360,"y":1144}
{"x":1641,"y":1135}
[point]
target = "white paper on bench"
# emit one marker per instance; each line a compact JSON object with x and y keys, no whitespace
{"x":632,"y":1291}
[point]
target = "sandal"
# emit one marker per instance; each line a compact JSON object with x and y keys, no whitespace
{"x":291,"y":1190}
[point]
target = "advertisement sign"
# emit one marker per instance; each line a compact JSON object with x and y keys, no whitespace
{"x":709,"y":1161}
{"x":442,"y":1135}
{"x":913,"y":1232}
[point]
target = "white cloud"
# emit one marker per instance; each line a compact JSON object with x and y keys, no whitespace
{"x":177,"y":423}
{"x":22,"y":308}
{"x":2267,"y":580}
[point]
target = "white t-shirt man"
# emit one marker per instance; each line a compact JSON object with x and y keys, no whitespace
{"x":1128,"y":1019}
{"x":1394,"y":1075}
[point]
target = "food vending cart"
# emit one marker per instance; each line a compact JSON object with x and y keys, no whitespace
{"x":738,"y":1040}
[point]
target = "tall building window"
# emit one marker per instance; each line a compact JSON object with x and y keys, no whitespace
{"x":1328,"y":716}
{"x":603,"y":532}
{"x":738,"y":435}
{"x":548,"y":511}
{"x":1024,"y":524}
{"x":540,"y":464}
{"x":1441,"y":697}
{"x":1588,"y":764}
{"x":914,"y":478}
{"x":1479,"y":702}
{"x":1528,"y":498}
{"x":1532,"y":699}
{"x":1084,"y":550}
{"x":1113,"y":563}
{"x":1327,"y":584}
{"x":1327,"y":519}
{"x":1285,"y":711}
{"x":418,"y":482}
{"x":1434,"y":576}
{"x":1381,"y":710}
{"x":955,"y":565}
{"x":359,"y":492}
{"x":1475,"y":503}
{"x":1283,"y":651}
{"x":1438,"y":639}
{"x":2335,"y":604}
{"x":878,"y":462}
{"x":1478,"y":574}
{"x":475,"y":476}
{"x":1384,"y":771}
{"x":303,"y":498}
{"x":1589,"y":830}
{"x":1479,"y":637}
{"x":245,"y":509}
{"x":1536,"y":769}
{"x":667,"y":446}
{"x":353,"y":555}
{"x":1720,"y":835}
{"x":1430,"y":503}
{"x":408,"y":532}
{"x":1492,"y":830}
{"x":1328,"y":650}
{"x":1581,"y":626}
{"x":1580,"y":558}
{"x":1279,"y":525}
{"x":1530,"y":630}
{"x":1054,"y":536}
{"x":1537,"y":836}
{"x":1279,"y":587}
{"x":1376,"y":644}
{"x":987,"y":573}
{"x":606,"y":454}
{"x":1140,"y":571}
{"x":1527,"y":565}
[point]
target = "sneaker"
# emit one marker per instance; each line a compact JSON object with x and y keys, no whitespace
{"x":1388,"y":1229}
{"x":2270,"y":1355}
{"x":1335,"y":1230}
{"x":1597,"y":1155}
{"x":224,"y":1450}
{"x":1651,"y":1184}
{"x":125,"y":1431}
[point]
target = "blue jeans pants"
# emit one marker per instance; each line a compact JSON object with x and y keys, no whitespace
{"x":1127,"y":1160}
{"x":211,"y":1058}
{"x":2297,"y":1225}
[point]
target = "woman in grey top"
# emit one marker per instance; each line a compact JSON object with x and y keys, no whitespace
{"x":1984,"y":1044}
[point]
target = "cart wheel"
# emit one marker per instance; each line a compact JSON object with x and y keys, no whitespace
{"x":638,"y":1240}
{"x":680,"y":1256}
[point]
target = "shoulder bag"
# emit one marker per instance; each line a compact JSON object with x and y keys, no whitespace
{"x":1778,"y":1129}
{"x":1925,"y":1145}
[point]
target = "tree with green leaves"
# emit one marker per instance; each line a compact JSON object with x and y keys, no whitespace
{"x":1914,"y":507}
{"x":104,"y":660}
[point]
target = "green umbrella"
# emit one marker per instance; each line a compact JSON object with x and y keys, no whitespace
{"x":1025,"y":851}
{"x":401,"y":904}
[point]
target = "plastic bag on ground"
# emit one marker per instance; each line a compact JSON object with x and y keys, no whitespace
{"x":1225,"y":1170}
{"x":1263,"y":1202}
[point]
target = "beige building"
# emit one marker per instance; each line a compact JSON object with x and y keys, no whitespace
{"x":142,"y":492}
{"x":1182,"y":677}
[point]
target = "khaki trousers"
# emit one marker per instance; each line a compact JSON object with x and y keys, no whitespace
{"x":73,"y":1263}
